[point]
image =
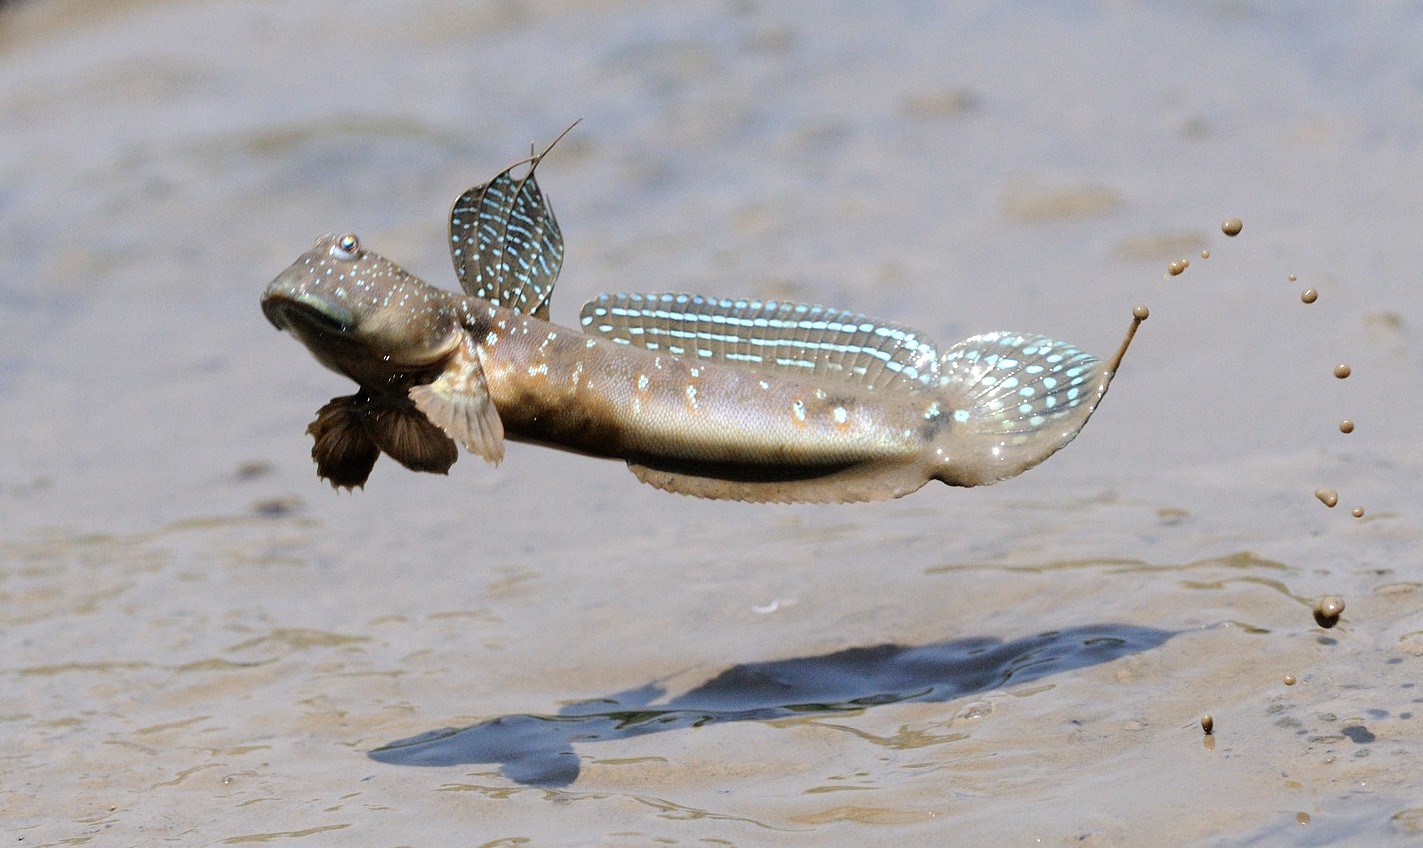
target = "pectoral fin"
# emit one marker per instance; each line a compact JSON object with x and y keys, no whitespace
{"x":411,"y":440}
{"x":344,"y":451}
{"x":458,"y":403}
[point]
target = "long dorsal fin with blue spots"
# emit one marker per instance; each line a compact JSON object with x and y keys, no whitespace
{"x":796,"y":338}
{"x":1017,"y":399}
{"x":505,"y":242}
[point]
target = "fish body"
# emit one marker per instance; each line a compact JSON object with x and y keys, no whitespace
{"x":735,"y":399}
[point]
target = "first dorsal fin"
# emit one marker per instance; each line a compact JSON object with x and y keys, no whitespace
{"x":505,"y":242}
{"x":760,"y":335}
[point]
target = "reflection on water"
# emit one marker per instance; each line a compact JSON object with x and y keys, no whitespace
{"x":537,"y":750}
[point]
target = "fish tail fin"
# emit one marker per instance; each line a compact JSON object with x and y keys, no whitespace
{"x":1014,"y":400}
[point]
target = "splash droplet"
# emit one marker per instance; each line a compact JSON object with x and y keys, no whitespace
{"x":1327,"y":496}
{"x":1205,"y":254}
{"x":1357,"y":512}
{"x":1309,"y":296}
{"x":1327,"y":611}
{"x":1175,"y":268}
{"x":1140,"y":312}
{"x":1342,"y":370}
{"x":1293,"y":278}
{"x":1231,"y":226}
{"x":1208,"y":724}
{"x":1289,"y":680}
{"x":1346,"y":426}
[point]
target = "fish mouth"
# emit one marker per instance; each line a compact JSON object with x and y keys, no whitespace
{"x":300,"y":310}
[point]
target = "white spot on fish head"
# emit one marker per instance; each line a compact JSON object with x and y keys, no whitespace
{"x":340,"y":294}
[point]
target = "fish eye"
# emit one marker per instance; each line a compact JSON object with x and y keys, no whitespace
{"x":346,"y":247}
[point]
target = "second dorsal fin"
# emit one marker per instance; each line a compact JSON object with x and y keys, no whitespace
{"x":505,"y":242}
{"x":760,"y":335}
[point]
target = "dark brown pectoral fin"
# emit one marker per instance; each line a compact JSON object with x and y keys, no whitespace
{"x":344,"y":451}
{"x":458,"y":403}
{"x":411,"y":440}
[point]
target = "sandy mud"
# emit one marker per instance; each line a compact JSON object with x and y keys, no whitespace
{"x":204,"y":645}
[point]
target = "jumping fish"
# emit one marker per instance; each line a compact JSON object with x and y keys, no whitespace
{"x":741,"y":399}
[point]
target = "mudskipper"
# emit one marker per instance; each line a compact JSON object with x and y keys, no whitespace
{"x":738,"y":399}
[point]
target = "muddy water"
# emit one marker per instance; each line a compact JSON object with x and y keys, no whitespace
{"x":203,"y":645}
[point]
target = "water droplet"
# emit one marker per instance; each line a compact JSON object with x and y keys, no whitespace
{"x":1208,"y":724}
{"x":1309,"y":296}
{"x":1205,"y":254}
{"x":1302,"y":818}
{"x":1327,"y":611}
{"x":1289,"y":680}
{"x":1175,"y":268}
{"x":1293,"y":278}
{"x":1346,"y":426}
{"x":1342,"y":370}
{"x":1140,"y":312}
{"x":1327,"y":496}
{"x":1357,"y":512}
{"x":1231,"y":226}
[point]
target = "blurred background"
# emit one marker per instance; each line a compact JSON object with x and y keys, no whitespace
{"x":202,"y":640}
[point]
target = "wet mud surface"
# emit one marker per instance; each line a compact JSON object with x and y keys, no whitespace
{"x":537,"y":750}
{"x":204,"y":645}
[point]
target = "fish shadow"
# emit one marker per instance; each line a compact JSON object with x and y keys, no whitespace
{"x":538,"y":750}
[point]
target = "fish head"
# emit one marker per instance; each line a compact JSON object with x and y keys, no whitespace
{"x":361,"y":314}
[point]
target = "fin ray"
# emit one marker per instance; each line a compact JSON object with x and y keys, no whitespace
{"x":797,"y":338}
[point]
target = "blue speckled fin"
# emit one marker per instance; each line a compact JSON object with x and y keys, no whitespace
{"x":505,"y":242}
{"x":797,"y":338}
{"x":1025,"y":396}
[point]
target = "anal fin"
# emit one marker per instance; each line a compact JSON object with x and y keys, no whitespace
{"x":762,"y":484}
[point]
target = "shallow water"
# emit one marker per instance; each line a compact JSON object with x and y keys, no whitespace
{"x":205,"y":645}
